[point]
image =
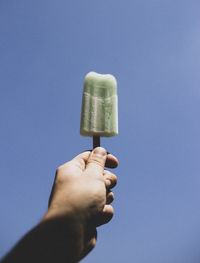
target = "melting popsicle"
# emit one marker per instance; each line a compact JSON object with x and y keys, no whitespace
{"x":99,"y":116}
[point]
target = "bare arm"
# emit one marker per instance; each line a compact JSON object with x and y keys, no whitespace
{"x":79,"y":202}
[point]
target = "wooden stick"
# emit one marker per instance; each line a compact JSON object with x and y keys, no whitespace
{"x":96,"y":141}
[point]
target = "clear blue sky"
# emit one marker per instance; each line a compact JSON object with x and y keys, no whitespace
{"x":153,"y":49}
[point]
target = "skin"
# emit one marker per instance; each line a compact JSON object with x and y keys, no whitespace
{"x":79,"y":203}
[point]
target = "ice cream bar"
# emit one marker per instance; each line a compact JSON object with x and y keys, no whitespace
{"x":99,"y":116}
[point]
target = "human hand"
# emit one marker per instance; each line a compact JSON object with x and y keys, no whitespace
{"x":81,"y":191}
{"x":79,"y":202}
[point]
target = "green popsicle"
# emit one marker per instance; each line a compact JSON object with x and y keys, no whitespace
{"x":99,"y":116}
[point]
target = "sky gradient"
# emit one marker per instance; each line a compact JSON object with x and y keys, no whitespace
{"x":152,"y":47}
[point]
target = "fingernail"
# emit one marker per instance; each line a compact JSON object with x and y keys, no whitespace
{"x":108,"y":183}
{"x":100,"y":151}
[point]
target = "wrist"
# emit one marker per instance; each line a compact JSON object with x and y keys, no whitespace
{"x":71,"y":216}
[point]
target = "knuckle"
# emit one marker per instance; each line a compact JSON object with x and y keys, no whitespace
{"x":110,"y":198}
{"x":109,"y":213}
{"x":112,"y":195}
{"x":112,"y":177}
{"x":60,"y":169}
{"x":79,"y":163}
{"x":96,"y":160}
{"x":60,"y":174}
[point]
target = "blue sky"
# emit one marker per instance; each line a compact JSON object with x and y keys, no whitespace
{"x":152,"y":47}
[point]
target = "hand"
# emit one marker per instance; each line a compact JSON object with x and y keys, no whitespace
{"x":81,"y":191}
{"x":79,"y":202}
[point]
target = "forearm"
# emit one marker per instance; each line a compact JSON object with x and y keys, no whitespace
{"x":53,"y":240}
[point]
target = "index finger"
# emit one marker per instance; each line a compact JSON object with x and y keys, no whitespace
{"x":111,"y":161}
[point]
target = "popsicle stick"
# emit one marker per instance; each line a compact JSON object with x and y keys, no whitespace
{"x":96,"y":141}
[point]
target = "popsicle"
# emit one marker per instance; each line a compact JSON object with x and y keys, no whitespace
{"x":99,"y":116}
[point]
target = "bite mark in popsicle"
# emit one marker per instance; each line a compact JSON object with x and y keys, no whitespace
{"x":99,"y":116}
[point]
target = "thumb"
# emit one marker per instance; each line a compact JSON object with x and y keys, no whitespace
{"x":96,"y":162}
